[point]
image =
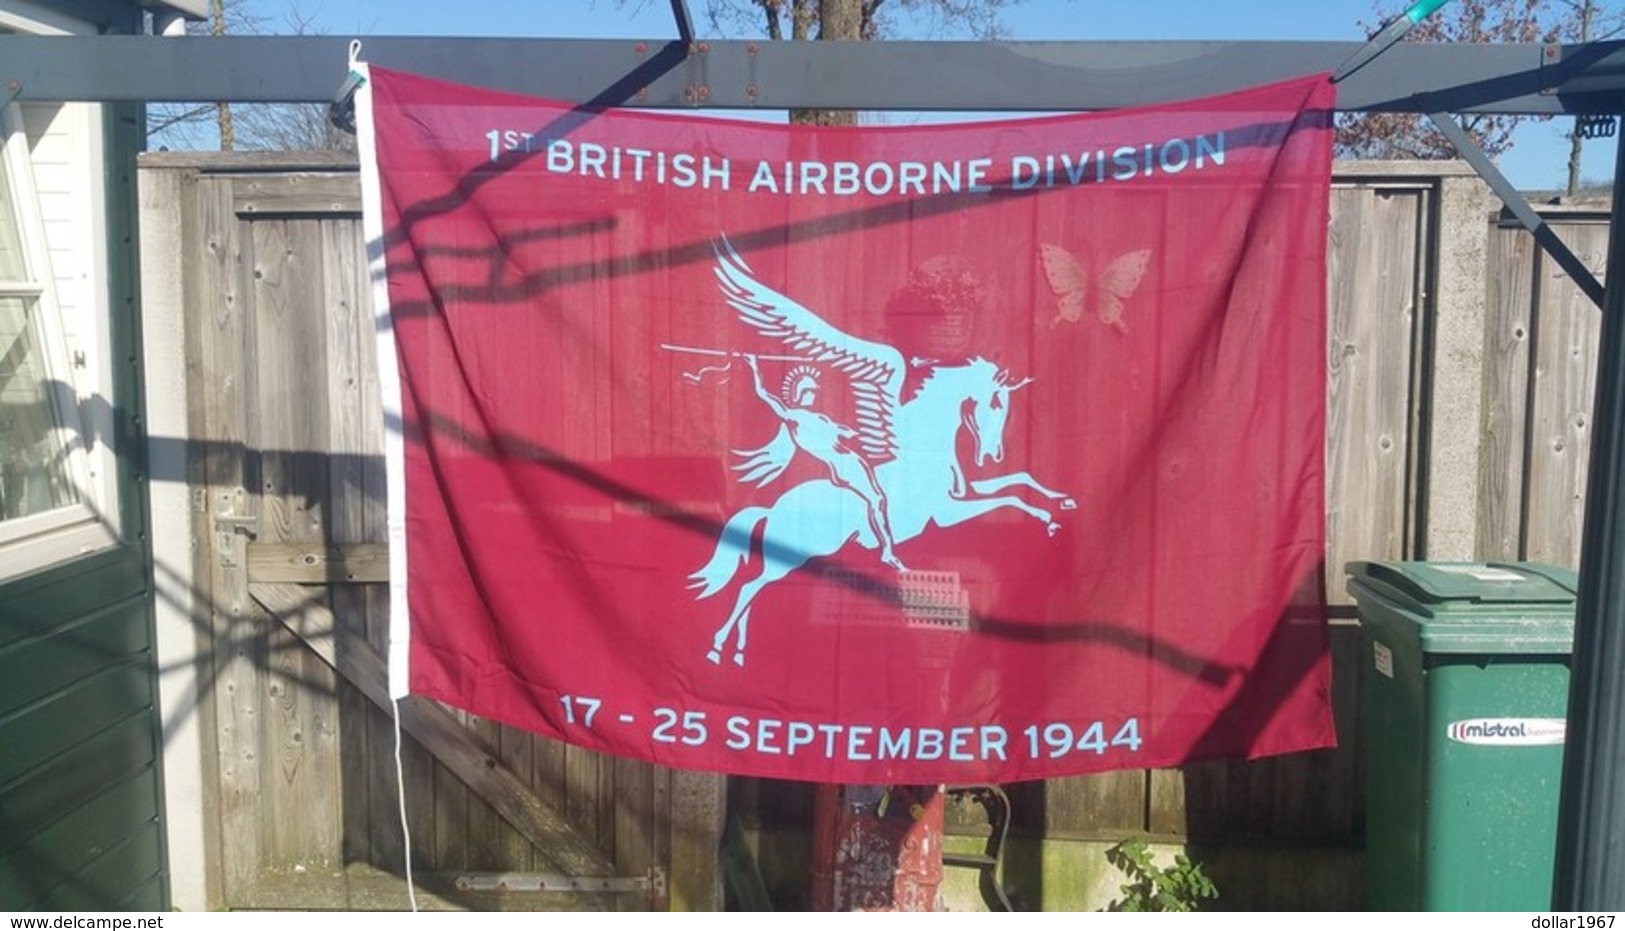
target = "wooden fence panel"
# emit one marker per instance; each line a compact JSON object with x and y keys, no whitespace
{"x":1567,"y":330}
{"x":217,"y":410}
{"x":286,"y":463}
{"x":1508,"y":334}
{"x":1375,"y":269}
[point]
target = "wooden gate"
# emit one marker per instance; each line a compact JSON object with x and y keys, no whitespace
{"x":286,"y":475}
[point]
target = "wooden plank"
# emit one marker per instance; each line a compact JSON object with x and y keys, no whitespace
{"x":105,"y":883}
{"x":1568,"y":329}
{"x":170,"y":354}
{"x":301,"y":194}
{"x":57,"y":661}
{"x":662,"y":817}
{"x":253,"y":160}
{"x":348,"y":338}
{"x":1509,"y":334}
{"x":317,"y":563}
{"x":1106,"y":804}
{"x":1165,"y":805}
{"x":439,"y":732}
{"x":61,"y":784}
{"x":487,"y":833}
{"x":216,"y":294}
{"x":287,"y":434}
{"x":72,"y":716}
{"x":516,"y":748}
{"x":1372,"y":259}
{"x":698,"y":813}
{"x":415,"y":785}
{"x":200,"y":456}
{"x":548,"y":769}
{"x":633,"y":813}
{"x":385,"y":837}
{"x":449,"y":847}
{"x":1344,"y":781}
{"x":581,"y":796}
{"x":71,"y":844}
{"x":608,"y":801}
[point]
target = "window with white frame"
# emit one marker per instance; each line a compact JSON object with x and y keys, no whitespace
{"x":51,"y":508}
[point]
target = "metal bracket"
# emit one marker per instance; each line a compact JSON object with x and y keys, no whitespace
{"x":698,"y":91}
{"x":1587,"y":74}
{"x":654,"y":883}
{"x":341,"y":111}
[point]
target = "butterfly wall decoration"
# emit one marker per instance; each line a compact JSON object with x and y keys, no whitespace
{"x":1075,"y":288}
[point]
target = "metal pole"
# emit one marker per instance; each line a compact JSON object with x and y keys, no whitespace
{"x":1590,"y":866}
{"x":1544,"y":235}
{"x":685,"y":21}
{"x":1390,"y":33}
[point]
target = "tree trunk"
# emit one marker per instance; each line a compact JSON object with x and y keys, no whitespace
{"x":1576,"y":144}
{"x":840,"y":21}
{"x":222,"y":110}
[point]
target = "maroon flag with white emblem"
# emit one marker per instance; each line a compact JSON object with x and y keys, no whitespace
{"x":962,"y":453}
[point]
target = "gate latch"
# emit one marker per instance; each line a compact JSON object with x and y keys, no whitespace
{"x":230,"y":528}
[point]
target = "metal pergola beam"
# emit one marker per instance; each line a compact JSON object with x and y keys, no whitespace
{"x":1014,"y":76}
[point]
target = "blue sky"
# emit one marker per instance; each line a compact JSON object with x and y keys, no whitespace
{"x":1538,"y":159}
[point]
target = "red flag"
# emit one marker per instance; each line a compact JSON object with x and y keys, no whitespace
{"x":963,"y":453}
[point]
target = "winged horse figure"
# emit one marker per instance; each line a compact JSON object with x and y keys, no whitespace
{"x":907,"y":475}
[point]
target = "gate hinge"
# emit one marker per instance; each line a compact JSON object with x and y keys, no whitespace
{"x":654,"y":883}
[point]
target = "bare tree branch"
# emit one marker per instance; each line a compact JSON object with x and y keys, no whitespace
{"x":253,"y":126}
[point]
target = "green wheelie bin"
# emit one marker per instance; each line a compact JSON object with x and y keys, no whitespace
{"x":1464,"y":691}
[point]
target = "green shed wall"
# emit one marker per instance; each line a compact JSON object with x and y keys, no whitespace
{"x":80,"y":734}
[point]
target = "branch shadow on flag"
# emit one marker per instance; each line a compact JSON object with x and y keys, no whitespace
{"x":881,"y":585}
{"x":1105,"y":633}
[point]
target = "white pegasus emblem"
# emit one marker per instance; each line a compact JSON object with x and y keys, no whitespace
{"x":899,"y":459}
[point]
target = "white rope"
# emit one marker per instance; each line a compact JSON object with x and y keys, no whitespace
{"x":400,"y":795}
{"x":357,"y":81}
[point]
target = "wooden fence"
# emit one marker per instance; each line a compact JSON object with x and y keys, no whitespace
{"x":284,"y":467}
{"x":1541,"y":336}
{"x":284,"y":478}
